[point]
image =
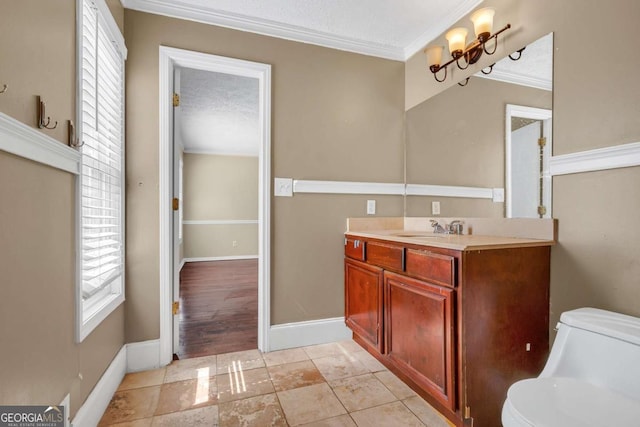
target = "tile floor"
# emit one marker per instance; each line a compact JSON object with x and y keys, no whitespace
{"x":337,"y":384}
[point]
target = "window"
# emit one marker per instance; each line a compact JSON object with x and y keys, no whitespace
{"x":101,"y":54}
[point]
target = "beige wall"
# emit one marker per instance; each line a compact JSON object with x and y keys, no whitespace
{"x":41,"y":362}
{"x":596,"y":260}
{"x":335,"y":116}
{"x":457,"y":138}
{"x":220,"y":188}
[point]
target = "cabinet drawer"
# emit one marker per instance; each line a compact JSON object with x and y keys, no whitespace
{"x":436,"y":268}
{"x":354,"y":248}
{"x":385,"y":256}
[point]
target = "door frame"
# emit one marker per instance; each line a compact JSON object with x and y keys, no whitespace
{"x":169,"y":59}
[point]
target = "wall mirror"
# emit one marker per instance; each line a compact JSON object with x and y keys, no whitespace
{"x":458,"y":138}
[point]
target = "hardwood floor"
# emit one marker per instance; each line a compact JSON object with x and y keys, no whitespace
{"x":218,"y":307}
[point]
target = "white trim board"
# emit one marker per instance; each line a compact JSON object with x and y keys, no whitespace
{"x":349,"y":187}
{"x":144,"y":355}
{"x":220,"y":221}
{"x":221,"y":258}
{"x":617,"y":156}
{"x":346,"y":187}
{"x":93,"y":408}
{"x":24,"y":141}
{"x":299,"y":334}
{"x":449,"y":191}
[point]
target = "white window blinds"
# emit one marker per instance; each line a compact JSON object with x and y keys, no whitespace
{"x":101,"y":231}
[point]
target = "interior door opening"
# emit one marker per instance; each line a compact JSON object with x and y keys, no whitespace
{"x":216,"y":149}
{"x":204,"y":222}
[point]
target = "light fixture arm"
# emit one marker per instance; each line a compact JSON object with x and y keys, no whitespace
{"x":471,"y":54}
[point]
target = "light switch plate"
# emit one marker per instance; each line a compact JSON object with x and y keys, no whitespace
{"x":498,"y":195}
{"x":435,"y":208}
{"x":283,"y":187}
{"x":371,"y":207}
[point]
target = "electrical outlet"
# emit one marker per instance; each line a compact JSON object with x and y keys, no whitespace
{"x":435,"y":208}
{"x":234,"y":243}
{"x":371,"y":207}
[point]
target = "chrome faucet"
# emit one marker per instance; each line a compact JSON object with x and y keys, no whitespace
{"x":454,"y":228}
{"x":437,"y":228}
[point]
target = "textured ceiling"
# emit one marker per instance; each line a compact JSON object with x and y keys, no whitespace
{"x":219,"y":113}
{"x":394,"y":29}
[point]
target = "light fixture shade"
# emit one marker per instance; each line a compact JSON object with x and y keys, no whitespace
{"x":483,"y":22}
{"x":457,"y":39}
{"x":434,"y":55}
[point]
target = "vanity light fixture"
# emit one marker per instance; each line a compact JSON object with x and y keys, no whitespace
{"x":464,"y":54}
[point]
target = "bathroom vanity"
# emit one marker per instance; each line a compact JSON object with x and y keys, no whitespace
{"x":458,"y":317}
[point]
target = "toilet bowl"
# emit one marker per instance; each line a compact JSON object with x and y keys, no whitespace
{"x":592,"y":376}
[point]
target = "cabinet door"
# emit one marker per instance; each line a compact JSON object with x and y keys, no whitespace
{"x":363,"y":301}
{"x":419,"y":334}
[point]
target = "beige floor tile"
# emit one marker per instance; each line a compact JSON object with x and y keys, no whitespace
{"x":339,"y":366}
{"x":426,"y":413}
{"x":332,"y":349}
{"x":370,"y":362}
{"x":240,"y":360}
{"x":130,"y":405}
{"x":393,"y":383}
{"x":244,"y":384}
{"x":309,"y":404}
{"x":199,"y":417}
{"x":256,"y":411}
{"x":294,"y":375}
{"x":341,"y":421}
{"x":391,"y":414}
{"x":361,"y":392}
{"x":144,"y":422}
{"x":142,"y":379}
{"x":190,"y":369}
{"x":285,"y":356}
{"x":189,"y":394}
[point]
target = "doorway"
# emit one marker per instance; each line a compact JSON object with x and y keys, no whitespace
{"x":170,"y":60}
{"x":527,"y":153}
{"x":217,"y":141}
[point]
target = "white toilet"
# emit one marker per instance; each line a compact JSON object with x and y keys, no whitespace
{"x":592,"y":376}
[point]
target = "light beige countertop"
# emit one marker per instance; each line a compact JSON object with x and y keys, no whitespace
{"x":485,"y":233}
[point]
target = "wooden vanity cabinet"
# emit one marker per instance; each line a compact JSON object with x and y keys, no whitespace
{"x":458,"y":326}
{"x":419,"y":333}
{"x":363,"y":301}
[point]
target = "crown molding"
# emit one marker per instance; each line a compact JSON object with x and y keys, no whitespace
{"x":177,"y":9}
{"x":517,"y":79}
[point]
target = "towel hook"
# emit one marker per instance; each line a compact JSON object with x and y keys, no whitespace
{"x":74,"y":141}
{"x":42,"y":114}
{"x":4,"y":88}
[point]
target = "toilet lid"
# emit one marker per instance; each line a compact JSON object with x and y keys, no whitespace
{"x":568,"y":402}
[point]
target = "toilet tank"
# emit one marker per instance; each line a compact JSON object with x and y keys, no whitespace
{"x":600,"y":347}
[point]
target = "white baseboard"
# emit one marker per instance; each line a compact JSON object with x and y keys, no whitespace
{"x":142,"y":356}
{"x":93,"y":408}
{"x":290,"y":335}
{"x":182,"y":263}
{"x":221,"y":258}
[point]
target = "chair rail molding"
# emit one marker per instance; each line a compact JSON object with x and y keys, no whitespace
{"x":24,"y":141}
{"x":614,"y":157}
